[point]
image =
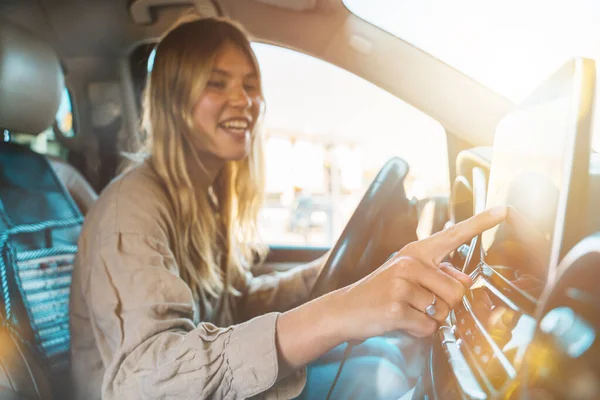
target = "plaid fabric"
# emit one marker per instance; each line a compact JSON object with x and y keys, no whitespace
{"x":42,"y":279}
{"x":45,"y":284}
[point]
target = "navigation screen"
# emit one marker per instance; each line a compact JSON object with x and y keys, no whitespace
{"x":532,"y":150}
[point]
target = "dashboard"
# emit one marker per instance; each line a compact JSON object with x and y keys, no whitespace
{"x":506,"y":337}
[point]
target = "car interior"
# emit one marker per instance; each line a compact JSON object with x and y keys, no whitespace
{"x":72,"y":73}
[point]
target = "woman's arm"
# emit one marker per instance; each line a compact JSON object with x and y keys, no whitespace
{"x":393,"y":297}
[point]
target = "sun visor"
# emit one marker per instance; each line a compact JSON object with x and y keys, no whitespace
{"x":141,"y":10}
{"x":31,"y":81}
{"x":294,"y":5}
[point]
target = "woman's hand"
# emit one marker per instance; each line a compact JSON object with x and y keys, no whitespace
{"x":396,"y":295}
{"x":393,"y":297}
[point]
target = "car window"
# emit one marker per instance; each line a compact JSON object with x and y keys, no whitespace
{"x":46,"y":142}
{"x":510,"y":46}
{"x":328,"y":132}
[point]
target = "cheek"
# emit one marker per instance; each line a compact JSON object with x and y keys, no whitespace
{"x":207,"y":111}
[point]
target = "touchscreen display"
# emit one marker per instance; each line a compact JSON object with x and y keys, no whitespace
{"x":527,"y":172}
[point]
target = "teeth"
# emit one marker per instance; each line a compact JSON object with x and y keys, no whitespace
{"x":235,"y":124}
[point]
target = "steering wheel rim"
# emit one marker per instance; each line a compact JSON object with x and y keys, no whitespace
{"x":349,"y":260}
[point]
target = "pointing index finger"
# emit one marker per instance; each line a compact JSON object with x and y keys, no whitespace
{"x":441,"y":244}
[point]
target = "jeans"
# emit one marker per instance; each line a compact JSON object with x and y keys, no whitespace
{"x":374,"y":370}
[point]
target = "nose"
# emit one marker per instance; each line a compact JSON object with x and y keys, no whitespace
{"x":239,"y":98}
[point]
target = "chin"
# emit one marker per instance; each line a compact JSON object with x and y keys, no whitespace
{"x":235,"y":155}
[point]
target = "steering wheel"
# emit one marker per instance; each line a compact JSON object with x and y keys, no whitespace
{"x":384,"y":222}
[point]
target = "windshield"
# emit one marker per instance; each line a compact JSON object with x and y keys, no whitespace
{"x":509,"y":46}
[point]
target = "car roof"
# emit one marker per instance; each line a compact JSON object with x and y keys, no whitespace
{"x":95,"y":32}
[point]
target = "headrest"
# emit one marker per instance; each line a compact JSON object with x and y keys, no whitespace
{"x":31,"y":81}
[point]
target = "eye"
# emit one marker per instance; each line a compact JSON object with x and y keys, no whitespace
{"x":252,"y":85}
{"x":216,"y":84}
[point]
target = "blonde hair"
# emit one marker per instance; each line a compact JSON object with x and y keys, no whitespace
{"x":213,"y":249}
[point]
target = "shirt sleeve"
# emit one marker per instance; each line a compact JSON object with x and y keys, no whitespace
{"x":142,"y":316}
{"x":278,"y":291}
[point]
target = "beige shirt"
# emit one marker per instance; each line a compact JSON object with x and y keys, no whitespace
{"x":136,"y":331}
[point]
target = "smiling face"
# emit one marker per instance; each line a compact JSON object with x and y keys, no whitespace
{"x":227,"y":110}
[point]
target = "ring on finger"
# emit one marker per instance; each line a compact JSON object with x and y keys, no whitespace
{"x":431,"y":310}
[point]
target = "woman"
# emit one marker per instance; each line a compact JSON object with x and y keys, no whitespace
{"x":162,"y":277}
